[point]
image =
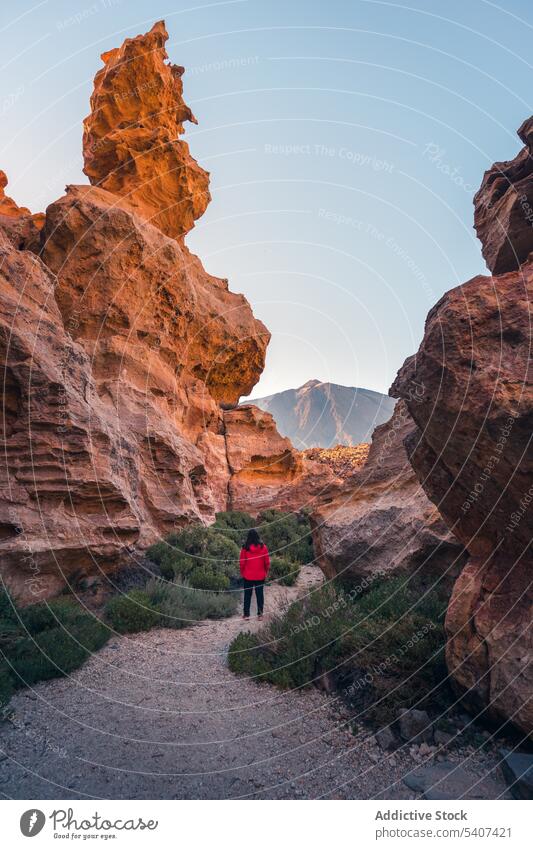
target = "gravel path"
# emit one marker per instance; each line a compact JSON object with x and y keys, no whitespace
{"x":159,"y":715}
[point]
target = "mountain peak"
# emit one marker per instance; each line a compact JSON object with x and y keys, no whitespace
{"x":320,"y":414}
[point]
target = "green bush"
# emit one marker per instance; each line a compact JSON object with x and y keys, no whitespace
{"x":44,"y":640}
{"x":234,"y":524}
{"x":282,"y":571}
{"x":203,"y":578}
{"x":287,"y":535}
{"x":197,"y":547}
{"x":384,"y":649}
{"x":132,"y":612}
{"x":196,"y":553}
{"x":181,"y":605}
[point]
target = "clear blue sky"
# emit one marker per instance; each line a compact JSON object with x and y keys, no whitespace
{"x":345,"y":141}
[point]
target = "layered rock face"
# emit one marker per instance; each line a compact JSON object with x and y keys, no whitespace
{"x":266,"y":470}
{"x":503,"y":215}
{"x":131,"y":144}
{"x":472,"y":453}
{"x":380,"y":521}
{"x":63,"y":504}
{"x":112,"y":371}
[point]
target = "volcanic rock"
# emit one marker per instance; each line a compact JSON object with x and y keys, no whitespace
{"x":472,"y":453}
{"x":118,"y":349}
{"x":64,"y":497}
{"x":415,"y":726}
{"x":447,"y":780}
{"x":131,"y":144}
{"x":380,"y":521}
{"x":503,"y":215}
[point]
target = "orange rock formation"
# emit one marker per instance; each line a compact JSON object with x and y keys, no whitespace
{"x":131,"y":144}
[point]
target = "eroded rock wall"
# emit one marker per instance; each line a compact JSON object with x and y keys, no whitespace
{"x":266,"y":470}
{"x":119,"y":350}
{"x":472,"y":452}
{"x":380,"y":521}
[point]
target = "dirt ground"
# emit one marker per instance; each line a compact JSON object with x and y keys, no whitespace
{"x":159,"y":715}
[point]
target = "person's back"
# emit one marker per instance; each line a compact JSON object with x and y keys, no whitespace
{"x":254,"y":566}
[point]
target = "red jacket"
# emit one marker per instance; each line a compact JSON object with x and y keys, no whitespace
{"x":255,"y":563}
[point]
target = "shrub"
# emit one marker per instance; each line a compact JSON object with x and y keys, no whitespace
{"x":181,"y":605}
{"x":44,"y":640}
{"x":234,"y":524}
{"x":287,"y":535}
{"x":132,"y":612}
{"x":215,"y":549}
{"x":203,"y":578}
{"x":282,"y":571}
{"x":196,"y":547}
{"x":384,"y":649}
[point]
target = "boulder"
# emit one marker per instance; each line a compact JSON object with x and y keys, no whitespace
{"x":442,"y":738}
{"x":131,"y":144}
{"x":380,"y":521}
{"x":471,"y":451}
{"x":66,"y":500}
{"x":503,"y":208}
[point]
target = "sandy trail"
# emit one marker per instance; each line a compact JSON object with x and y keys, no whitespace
{"x":159,"y":715}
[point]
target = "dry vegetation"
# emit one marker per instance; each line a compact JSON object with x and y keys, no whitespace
{"x":342,"y":459}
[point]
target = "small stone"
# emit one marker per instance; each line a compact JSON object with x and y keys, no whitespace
{"x":386,"y":739}
{"x":415,"y":726}
{"x":442,"y":738}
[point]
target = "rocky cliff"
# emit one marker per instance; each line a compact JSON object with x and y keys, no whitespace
{"x":472,"y":450}
{"x":122,"y":356}
{"x":265,"y":468}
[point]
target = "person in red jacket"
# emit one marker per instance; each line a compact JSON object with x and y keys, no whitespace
{"x":254,"y":563}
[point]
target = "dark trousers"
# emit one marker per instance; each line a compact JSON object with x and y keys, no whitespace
{"x":248,"y":590}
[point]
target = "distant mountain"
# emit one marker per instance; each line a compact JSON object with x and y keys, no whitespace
{"x":324,"y":414}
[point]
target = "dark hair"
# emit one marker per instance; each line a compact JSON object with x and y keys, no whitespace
{"x":252,"y":538}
